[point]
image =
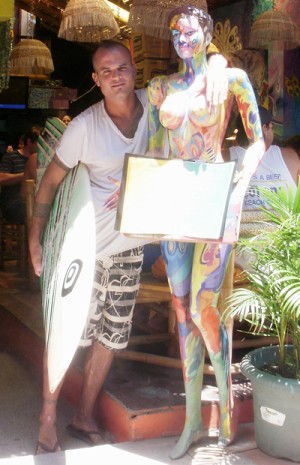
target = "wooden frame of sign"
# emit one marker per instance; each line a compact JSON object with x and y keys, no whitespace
{"x":177,"y":199}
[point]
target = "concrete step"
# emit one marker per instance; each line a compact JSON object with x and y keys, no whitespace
{"x":139,"y":400}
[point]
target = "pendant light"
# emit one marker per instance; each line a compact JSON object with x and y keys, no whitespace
{"x":272,"y":29}
{"x":31,"y":58}
{"x":88,"y":21}
{"x":152,"y":17}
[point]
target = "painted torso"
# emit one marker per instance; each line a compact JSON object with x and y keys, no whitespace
{"x":192,"y":130}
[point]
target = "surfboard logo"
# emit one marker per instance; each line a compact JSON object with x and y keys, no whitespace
{"x":71,"y":277}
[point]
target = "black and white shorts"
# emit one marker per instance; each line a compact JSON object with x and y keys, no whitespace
{"x":116,"y":285}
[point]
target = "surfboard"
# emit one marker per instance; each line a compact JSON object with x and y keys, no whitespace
{"x":68,"y":259}
{"x":47,"y":143}
{"x":68,"y":270}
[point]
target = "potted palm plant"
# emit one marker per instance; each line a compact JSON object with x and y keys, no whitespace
{"x":270,"y":304}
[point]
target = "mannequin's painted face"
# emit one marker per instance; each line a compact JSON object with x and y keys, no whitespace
{"x":188,"y":36}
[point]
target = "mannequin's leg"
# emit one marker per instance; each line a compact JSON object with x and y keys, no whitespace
{"x":178,"y":257}
{"x":209,"y":267}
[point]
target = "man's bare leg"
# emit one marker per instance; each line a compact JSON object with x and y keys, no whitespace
{"x":47,"y":439}
{"x":97,"y":365}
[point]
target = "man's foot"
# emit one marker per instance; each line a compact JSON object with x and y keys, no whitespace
{"x":42,"y":448}
{"x":93,"y":437}
{"x":47,"y":438}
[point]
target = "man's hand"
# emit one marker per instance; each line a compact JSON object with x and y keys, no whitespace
{"x":35,"y":248}
{"x":216,"y":81}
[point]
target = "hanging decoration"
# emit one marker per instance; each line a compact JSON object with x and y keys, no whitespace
{"x":6,"y":41}
{"x":88,"y":21}
{"x":151,"y":16}
{"x":259,"y":7}
{"x":226,"y":37}
{"x":274,"y":27}
{"x":32,"y":58}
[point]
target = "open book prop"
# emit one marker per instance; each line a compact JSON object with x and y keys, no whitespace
{"x":178,"y":199}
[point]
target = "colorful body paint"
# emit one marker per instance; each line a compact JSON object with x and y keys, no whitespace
{"x":179,"y":109}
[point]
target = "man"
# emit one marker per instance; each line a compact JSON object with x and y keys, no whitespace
{"x":279,"y":168}
{"x":99,"y":137}
{"x":12,"y":169}
{"x":66,"y":119}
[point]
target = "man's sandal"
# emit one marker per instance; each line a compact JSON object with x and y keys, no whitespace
{"x":93,"y":438}
{"x":42,"y":448}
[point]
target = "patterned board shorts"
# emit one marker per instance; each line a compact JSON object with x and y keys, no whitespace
{"x":116,"y":285}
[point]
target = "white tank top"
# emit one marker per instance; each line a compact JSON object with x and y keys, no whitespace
{"x":272,"y":173}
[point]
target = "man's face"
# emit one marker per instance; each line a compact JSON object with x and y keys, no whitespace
{"x":268,"y":131}
{"x":114,"y":72}
{"x":66,"y":119}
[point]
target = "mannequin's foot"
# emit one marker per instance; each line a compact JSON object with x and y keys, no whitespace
{"x":187,"y":438}
{"x":228,"y":428}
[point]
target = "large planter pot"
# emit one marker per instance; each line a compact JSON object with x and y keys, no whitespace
{"x":276,"y":403}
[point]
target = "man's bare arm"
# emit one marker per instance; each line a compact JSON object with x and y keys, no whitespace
{"x":53,"y":176}
{"x":292,"y":162}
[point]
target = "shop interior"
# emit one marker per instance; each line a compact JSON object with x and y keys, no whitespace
{"x":145,"y":387}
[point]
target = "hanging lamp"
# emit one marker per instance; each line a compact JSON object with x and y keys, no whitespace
{"x":273,"y":27}
{"x":88,"y":21}
{"x":151,"y":16}
{"x":31,"y":58}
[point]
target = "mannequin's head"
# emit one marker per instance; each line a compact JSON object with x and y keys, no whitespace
{"x":191,"y":30}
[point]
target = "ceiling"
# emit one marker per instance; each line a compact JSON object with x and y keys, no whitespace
{"x":50,"y":11}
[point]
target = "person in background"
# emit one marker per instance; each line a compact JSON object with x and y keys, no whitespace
{"x":9,"y":149}
{"x":294,"y":143}
{"x":66,"y":119}
{"x":12,"y":169}
{"x":5,"y":149}
{"x":196,"y":270}
{"x":30,"y":172}
{"x":99,"y":137}
{"x":279,"y":168}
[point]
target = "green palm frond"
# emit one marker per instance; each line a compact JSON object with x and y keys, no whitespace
{"x":271,"y":301}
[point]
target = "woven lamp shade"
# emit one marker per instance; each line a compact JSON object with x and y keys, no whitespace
{"x":32,"y":58}
{"x":152,"y":16}
{"x":274,"y":26}
{"x":88,"y":21}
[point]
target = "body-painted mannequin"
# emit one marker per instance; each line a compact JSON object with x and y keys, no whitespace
{"x":196,"y":270}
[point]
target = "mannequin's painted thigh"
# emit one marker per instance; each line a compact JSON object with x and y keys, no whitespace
{"x":178,"y":257}
{"x":209,"y":267}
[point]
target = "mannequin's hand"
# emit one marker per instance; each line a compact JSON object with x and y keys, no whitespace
{"x":112,"y":201}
